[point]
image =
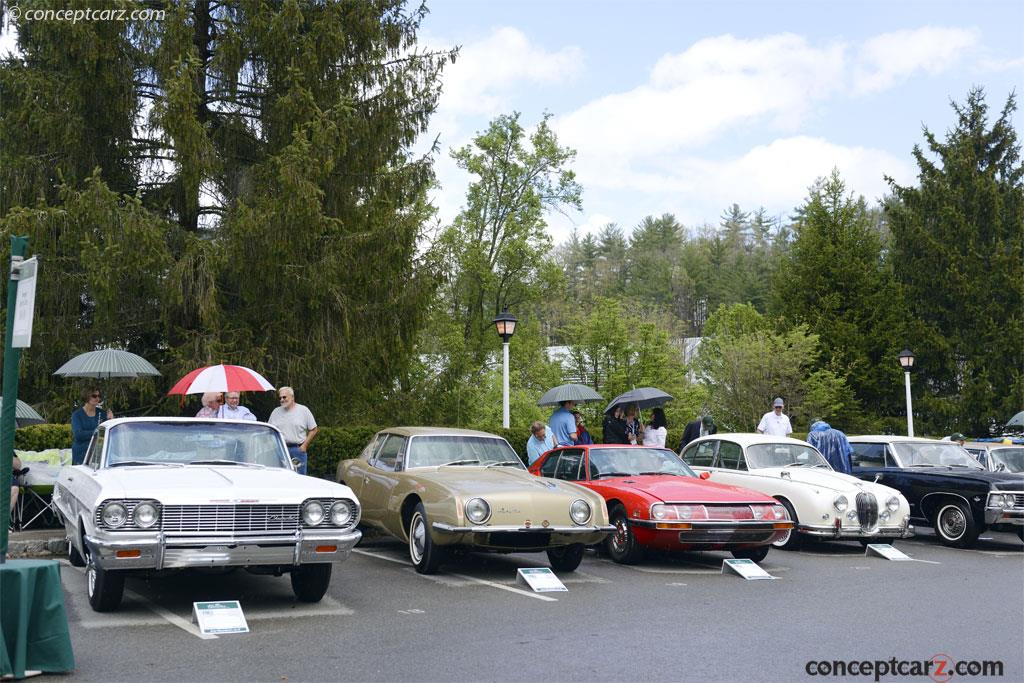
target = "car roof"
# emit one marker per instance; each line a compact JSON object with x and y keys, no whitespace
{"x":890,"y":438}
{"x":992,"y":445}
{"x":190,"y":420}
{"x":436,"y":431}
{"x":750,"y":438}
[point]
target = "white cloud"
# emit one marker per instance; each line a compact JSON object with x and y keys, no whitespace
{"x":717,"y":84}
{"x":1001,"y":64}
{"x":891,"y":58}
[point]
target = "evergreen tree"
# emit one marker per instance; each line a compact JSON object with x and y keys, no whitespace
{"x":958,"y":251}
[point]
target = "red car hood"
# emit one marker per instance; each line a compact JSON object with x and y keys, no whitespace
{"x":683,"y":489}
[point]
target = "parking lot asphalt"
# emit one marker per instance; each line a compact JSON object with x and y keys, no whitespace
{"x":672,"y":618}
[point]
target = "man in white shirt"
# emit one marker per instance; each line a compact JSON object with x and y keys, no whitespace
{"x":233,"y":411}
{"x":296,"y":424}
{"x":775,"y":423}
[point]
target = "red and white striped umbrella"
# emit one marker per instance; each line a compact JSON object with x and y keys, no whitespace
{"x":221,"y":378}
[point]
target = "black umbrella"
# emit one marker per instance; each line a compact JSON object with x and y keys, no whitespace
{"x":569,"y":392}
{"x":644,"y":397}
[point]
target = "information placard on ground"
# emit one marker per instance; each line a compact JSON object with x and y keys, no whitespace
{"x":541,"y":580}
{"x":222,"y":616}
{"x":887,"y":551}
{"x":748,"y":569}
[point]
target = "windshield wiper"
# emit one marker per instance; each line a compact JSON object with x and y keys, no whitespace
{"x":667,"y":474}
{"x":139,"y":462}
{"x":503,"y":464}
{"x":797,"y":464}
{"x":612,"y":474}
{"x":922,"y":464}
{"x":225,"y":462}
{"x":461,"y":462}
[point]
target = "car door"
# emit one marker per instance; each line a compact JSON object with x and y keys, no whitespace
{"x":82,"y":489}
{"x":570,"y":465}
{"x":726,"y":464}
{"x":380,"y":478}
{"x":700,"y":455}
{"x":356,"y":469}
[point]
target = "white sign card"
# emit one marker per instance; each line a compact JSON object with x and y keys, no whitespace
{"x":748,"y":569}
{"x":222,"y":616}
{"x":540,"y":579}
{"x":24,"y":307}
{"x":887,"y":551}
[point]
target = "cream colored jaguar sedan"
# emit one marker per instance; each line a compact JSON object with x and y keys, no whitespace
{"x":443,"y":489}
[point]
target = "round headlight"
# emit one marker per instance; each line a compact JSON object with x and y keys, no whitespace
{"x":580,"y":511}
{"x":995,"y":500}
{"x":341,"y":513}
{"x":114,"y":515}
{"x":312,"y":513}
{"x":658,"y":511}
{"x":893,"y":504}
{"x":477,"y":510}
{"x":840,"y":503}
{"x":851,"y":515}
{"x":145,"y":515}
{"x":884,"y":516}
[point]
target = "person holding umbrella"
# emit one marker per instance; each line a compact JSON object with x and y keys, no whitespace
{"x":84,"y":422}
{"x":563,"y":424}
{"x":614,"y":427}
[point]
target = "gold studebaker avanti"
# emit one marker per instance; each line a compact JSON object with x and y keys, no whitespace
{"x":443,"y":489}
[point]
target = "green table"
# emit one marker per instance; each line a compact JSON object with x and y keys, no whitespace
{"x":32,"y":618}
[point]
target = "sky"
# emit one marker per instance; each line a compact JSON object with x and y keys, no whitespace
{"x":686,"y":107}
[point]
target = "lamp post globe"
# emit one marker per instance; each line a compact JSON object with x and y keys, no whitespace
{"x":505,"y":326}
{"x":906,"y":359}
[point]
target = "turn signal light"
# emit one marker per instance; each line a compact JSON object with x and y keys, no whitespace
{"x":672,"y":525}
{"x":327,"y":548}
{"x":782,"y":525}
{"x":128,"y":553}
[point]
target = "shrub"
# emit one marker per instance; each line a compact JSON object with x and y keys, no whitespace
{"x":42,"y":437}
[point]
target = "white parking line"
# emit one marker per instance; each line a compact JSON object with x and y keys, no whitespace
{"x":170,"y":617}
{"x":471,"y":579}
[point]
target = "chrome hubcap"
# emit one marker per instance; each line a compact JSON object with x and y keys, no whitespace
{"x":621,"y":536}
{"x":953,"y":522}
{"x":417,"y":538}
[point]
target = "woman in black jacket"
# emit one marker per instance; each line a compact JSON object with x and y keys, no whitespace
{"x":614,"y":427}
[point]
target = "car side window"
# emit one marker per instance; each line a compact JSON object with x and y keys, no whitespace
{"x":371,"y":447}
{"x":700,"y":454}
{"x":388,"y":454}
{"x":729,"y":455}
{"x":550,"y":464}
{"x":95,"y":452}
{"x":867,"y":455}
{"x":569,"y":465}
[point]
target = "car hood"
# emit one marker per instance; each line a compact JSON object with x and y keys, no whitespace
{"x":1001,"y":481}
{"x":514,"y":495}
{"x":826,"y":479}
{"x":211,"y":484}
{"x":677,"y":489}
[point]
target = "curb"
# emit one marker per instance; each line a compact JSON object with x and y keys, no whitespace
{"x":46,"y":547}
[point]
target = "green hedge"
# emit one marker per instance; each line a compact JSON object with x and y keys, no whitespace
{"x":42,"y":437}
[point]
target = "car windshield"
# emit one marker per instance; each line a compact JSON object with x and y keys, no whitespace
{"x":433,"y":451}
{"x":187,"y":443}
{"x":937,"y":454}
{"x":609,"y":462}
{"x":1012,"y":459}
{"x":760,"y":455}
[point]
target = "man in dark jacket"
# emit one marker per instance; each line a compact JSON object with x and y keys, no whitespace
{"x":614,"y":428}
{"x":698,"y":428}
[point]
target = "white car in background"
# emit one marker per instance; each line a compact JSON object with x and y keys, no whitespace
{"x":159,"y":494}
{"x":824,"y":503}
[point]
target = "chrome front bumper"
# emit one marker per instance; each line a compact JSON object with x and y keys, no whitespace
{"x":856,"y":532}
{"x":157,"y":550}
{"x":526,"y":538}
{"x":717,"y":532}
{"x":1013,"y":516}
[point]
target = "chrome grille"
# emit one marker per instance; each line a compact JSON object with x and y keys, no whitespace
{"x":867,"y":510}
{"x":212,"y":518}
{"x":1018,"y":500}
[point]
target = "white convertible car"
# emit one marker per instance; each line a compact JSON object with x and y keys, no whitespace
{"x":823,"y":503}
{"x":160,"y":494}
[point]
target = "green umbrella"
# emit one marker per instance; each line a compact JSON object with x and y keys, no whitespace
{"x":107,"y":363}
{"x":569,"y":392}
{"x":24,"y":414}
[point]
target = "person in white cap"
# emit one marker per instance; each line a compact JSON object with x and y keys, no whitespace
{"x":774,"y":422}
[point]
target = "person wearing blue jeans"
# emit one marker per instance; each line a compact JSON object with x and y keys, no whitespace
{"x":296,"y":424}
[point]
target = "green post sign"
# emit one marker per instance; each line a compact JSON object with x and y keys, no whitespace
{"x":12,"y":356}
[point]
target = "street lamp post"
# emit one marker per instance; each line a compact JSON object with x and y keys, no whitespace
{"x":505,"y":324}
{"x":907,"y":361}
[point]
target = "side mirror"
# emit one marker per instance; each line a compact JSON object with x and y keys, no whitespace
{"x":877,"y":477}
{"x":705,"y":475}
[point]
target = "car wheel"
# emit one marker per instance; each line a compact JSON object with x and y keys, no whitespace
{"x":792,"y":539}
{"x":426,"y":556}
{"x":106,"y":588}
{"x":75,"y":557}
{"x":954,"y":525}
{"x":755,"y":554}
{"x":622,"y":545}
{"x":310,"y":581}
{"x":567,"y":558}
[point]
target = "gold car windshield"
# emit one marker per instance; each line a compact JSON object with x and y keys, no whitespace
{"x":455,"y":450}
